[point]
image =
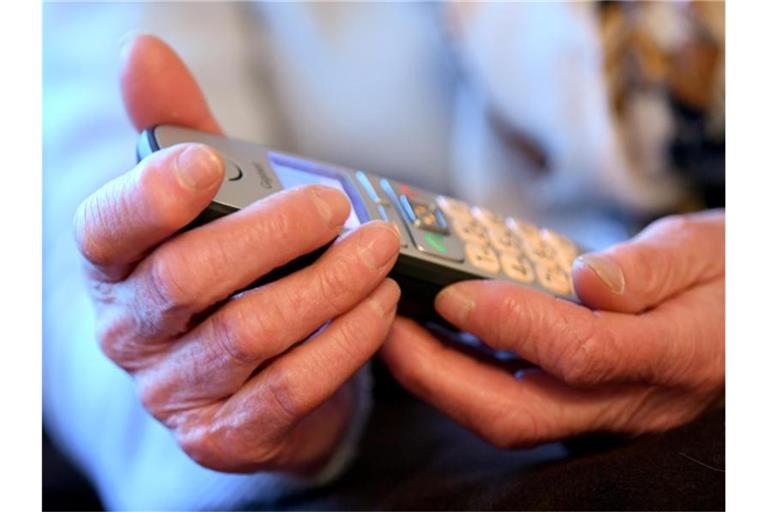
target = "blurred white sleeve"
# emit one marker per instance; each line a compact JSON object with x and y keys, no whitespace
{"x":90,"y":408}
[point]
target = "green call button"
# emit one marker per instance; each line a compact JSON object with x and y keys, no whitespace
{"x":436,"y":241}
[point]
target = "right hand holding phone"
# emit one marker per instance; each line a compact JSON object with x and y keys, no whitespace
{"x":227,"y":375}
{"x":644,"y":352}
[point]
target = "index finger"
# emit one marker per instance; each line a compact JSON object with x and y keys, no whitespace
{"x":121,"y":221}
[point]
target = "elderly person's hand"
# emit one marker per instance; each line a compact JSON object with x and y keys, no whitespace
{"x":644,"y":353}
{"x":229,"y":375}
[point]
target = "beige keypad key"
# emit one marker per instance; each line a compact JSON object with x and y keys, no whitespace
{"x":487,"y":218}
{"x":567,"y":250}
{"x":539,"y":250}
{"x":454,"y":208}
{"x":554,"y":278}
{"x":517,"y":267}
{"x":524,"y":229}
{"x":471,"y":231}
{"x":503,"y":240}
{"x":567,"y":257}
{"x":482,"y":257}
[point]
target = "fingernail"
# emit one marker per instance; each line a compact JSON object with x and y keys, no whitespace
{"x":128,"y":37}
{"x":395,"y":228}
{"x":606,"y":269}
{"x":385,"y":299}
{"x":332,"y":205}
{"x":378,"y":244}
{"x":454,"y":304}
{"x":199,"y":167}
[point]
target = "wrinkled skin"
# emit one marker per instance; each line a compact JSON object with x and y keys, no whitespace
{"x":228,"y":374}
{"x":646,"y":351}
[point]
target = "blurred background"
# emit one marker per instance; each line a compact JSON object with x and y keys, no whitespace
{"x":592,"y":118}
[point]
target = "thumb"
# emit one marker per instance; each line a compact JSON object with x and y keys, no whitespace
{"x":158,"y":88}
{"x":667,"y":257}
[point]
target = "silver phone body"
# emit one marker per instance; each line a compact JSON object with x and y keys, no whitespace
{"x":443,"y":240}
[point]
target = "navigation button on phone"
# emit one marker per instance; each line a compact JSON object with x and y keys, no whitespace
{"x":437,"y":244}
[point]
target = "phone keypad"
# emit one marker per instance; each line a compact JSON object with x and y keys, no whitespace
{"x":481,"y":239}
{"x":512,"y":247}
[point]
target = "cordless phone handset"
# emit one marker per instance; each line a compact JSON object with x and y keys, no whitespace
{"x":443,"y":240}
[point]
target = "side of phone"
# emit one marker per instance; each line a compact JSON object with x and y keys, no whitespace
{"x":443,"y":240}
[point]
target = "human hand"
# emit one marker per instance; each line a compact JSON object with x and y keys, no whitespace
{"x":647,"y":353}
{"x":228,"y":375}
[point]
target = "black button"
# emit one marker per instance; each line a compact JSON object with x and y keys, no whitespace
{"x":232,"y":171}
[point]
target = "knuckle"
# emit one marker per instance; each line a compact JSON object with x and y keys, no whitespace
{"x":221,"y":448}
{"x":160,"y":209}
{"x":405,"y":372}
{"x":281,"y":396}
{"x":115,"y":335}
{"x":200,"y":445}
{"x":153,"y":397}
{"x":672,"y":224}
{"x":582,"y":364}
{"x":279,"y":226}
{"x":411,"y":369}
{"x":198,"y":448}
{"x":512,"y":308}
{"x":86,"y":220}
{"x":229,"y":329}
{"x":336,"y":282}
{"x":514,"y":428}
{"x":347,"y":335}
{"x":165,"y":286}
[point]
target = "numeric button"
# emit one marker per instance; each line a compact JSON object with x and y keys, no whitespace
{"x":567,"y":250}
{"x":487,"y":218}
{"x":471,"y":231}
{"x":525,"y":229}
{"x":554,"y":278}
{"x":504,"y":241}
{"x":539,"y":250}
{"x":517,"y":267}
{"x":482,"y":257}
{"x":455,"y":209}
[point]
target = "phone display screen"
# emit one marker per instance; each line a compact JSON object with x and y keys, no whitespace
{"x":293,"y":172}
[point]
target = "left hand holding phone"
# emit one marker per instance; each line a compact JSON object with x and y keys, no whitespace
{"x":228,"y":374}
